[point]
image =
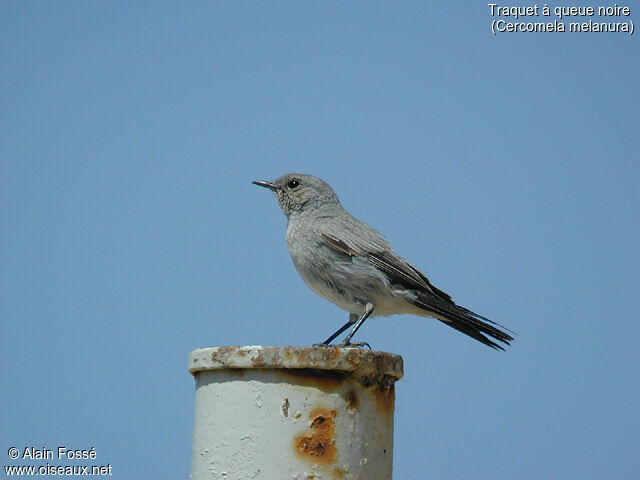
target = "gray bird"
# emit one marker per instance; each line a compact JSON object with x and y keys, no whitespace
{"x":350,"y":264}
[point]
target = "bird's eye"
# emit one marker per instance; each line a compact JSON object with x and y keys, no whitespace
{"x":293,"y":184}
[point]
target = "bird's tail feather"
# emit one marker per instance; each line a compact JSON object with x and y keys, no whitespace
{"x":463,"y":320}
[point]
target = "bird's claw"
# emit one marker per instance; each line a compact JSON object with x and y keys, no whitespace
{"x":344,"y":345}
{"x":354,"y":345}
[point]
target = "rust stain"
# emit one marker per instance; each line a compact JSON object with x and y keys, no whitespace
{"x":383,"y":389}
{"x":319,"y":444}
{"x":324,"y":379}
{"x":352,"y":400}
{"x":258,"y":361}
{"x":338,"y":473}
{"x":330,"y":353}
{"x":287,"y":354}
{"x":221,"y":355}
{"x":354,"y":356}
{"x":385,"y":398}
{"x":309,"y":356}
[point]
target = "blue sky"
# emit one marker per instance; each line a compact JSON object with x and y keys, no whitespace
{"x":505,"y":167}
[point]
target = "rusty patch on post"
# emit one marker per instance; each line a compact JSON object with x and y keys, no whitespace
{"x":310,"y":356}
{"x":385,"y":399}
{"x":338,"y":473}
{"x":327,"y":379}
{"x":383,"y":389}
{"x":352,"y":400}
{"x":318,"y":445}
{"x":258,"y":361}
{"x":359,"y":363}
{"x":221,"y":355}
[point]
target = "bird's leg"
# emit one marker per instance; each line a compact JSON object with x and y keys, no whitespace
{"x":347,"y":340}
{"x":352,"y":319}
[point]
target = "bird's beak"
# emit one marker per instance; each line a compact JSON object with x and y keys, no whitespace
{"x":269,"y":185}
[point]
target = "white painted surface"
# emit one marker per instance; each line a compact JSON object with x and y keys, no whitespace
{"x":293,"y":413}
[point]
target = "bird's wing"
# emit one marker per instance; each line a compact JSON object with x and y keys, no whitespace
{"x":363,"y":241}
{"x":356,"y":239}
{"x":403,"y":273}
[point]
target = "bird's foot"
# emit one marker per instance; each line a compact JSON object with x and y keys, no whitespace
{"x":321,"y":344}
{"x":354,"y":345}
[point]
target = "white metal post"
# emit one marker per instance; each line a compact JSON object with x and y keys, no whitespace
{"x":293,"y":413}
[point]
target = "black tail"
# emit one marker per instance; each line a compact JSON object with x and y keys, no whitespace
{"x":463,"y":320}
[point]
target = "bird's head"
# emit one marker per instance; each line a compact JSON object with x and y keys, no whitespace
{"x":297,"y":192}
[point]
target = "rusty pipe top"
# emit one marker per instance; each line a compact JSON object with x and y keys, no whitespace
{"x":360,"y":362}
